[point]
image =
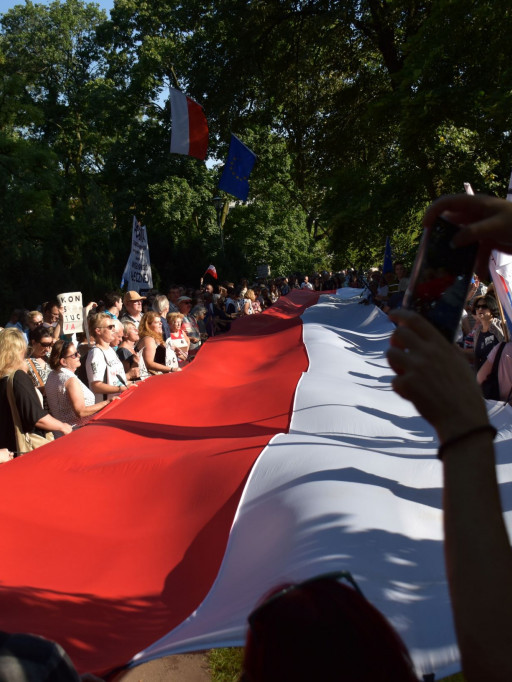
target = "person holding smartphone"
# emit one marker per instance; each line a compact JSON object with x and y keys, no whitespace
{"x":434,"y":375}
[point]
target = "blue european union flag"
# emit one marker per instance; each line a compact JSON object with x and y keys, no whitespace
{"x":388,"y":260}
{"x":235,"y":176}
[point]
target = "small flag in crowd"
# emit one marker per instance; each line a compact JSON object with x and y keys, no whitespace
{"x":189,"y":134}
{"x":239,"y":164}
{"x":211,"y":271}
{"x":387,"y":266}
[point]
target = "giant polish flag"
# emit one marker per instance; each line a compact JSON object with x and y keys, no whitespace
{"x":189,"y":132}
{"x":280,"y":453}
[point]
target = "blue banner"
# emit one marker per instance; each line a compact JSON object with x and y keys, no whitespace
{"x":388,"y":260}
{"x":239,"y":164}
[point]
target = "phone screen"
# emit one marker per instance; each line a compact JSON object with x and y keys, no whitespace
{"x":440,"y":278}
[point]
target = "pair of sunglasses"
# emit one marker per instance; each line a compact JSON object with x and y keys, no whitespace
{"x":258,"y":612}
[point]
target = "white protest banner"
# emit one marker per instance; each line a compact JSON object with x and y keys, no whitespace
{"x":500,"y":266}
{"x":263,"y":271}
{"x":73,"y":319}
{"x":137,"y":273}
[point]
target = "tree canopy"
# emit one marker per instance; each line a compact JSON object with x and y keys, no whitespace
{"x":360,"y":112}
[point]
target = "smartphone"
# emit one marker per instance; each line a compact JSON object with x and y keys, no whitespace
{"x":440,"y":278}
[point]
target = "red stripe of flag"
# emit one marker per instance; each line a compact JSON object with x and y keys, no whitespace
{"x":113,"y":535}
{"x":198,"y":130}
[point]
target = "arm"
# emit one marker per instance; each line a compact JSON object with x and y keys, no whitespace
{"x":187,"y":339}
{"x":57,"y":330}
{"x":484,"y":371}
{"x":148,"y":354}
{"x":49,"y":423}
{"x":76,"y":398}
{"x":5,"y":455}
{"x":433,"y":375}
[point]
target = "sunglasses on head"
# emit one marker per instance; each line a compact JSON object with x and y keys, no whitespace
{"x":259,"y":612}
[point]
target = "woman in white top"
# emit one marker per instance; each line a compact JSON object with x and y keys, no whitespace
{"x":250,"y":296}
{"x":69,"y":399}
{"x":178,"y":340}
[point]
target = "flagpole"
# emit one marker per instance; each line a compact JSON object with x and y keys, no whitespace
{"x":503,"y":320}
{"x":175,"y":78}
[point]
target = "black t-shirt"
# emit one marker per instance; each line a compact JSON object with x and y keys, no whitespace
{"x":29,"y":409}
{"x":125,"y":355}
{"x":484,"y":345}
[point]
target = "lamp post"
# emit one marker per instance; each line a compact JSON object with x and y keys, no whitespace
{"x":218,"y":202}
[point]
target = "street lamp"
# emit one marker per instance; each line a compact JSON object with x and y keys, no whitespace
{"x":218,"y":202}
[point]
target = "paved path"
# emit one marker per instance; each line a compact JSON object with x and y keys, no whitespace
{"x":180,"y":668}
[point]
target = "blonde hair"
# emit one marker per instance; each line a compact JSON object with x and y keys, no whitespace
{"x":95,"y":322}
{"x":127,"y":326}
{"x":34,"y":313}
{"x":172,"y":317}
{"x":13,"y":349}
{"x":250,"y":295}
{"x":145,"y":330}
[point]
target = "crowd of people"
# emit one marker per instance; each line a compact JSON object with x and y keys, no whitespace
{"x":61,"y":381}
{"x":324,"y":628}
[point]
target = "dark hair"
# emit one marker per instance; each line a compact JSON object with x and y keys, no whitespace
{"x":50,"y":304}
{"x":324,"y":630}
{"x":490,"y":302}
{"x":58,"y":351}
{"x":39,"y":333}
{"x":111,"y":298}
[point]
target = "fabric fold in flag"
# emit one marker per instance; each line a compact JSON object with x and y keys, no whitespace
{"x":189,"y":133}
{"x":239,"y":164}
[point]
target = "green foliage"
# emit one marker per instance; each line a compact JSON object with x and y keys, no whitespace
{"x":360,"y":114}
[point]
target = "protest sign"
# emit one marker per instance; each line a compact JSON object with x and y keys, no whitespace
{"x":72,"y":314}
{"x":137,"y":273}
{"x":263,"y":271}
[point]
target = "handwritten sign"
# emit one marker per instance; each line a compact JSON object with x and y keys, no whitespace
{"x":72,"y":305}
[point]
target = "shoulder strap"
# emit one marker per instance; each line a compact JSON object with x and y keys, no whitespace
{"x":36,"y":371}
{"x":18,"y":431}
{"x":105,"y":396}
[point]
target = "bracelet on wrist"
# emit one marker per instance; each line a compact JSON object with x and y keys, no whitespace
{"x":467,"y":434}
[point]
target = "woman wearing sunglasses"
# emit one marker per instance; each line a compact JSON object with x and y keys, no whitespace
{"x":488,"y":332}
{"x":105,"y":372}
{"x":39,"y":369}
{"x":69,"y":399}
{"x":32,"y":417}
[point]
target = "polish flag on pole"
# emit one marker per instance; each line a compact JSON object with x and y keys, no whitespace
{"x":211,"y":271}
{"x":189,"y":134}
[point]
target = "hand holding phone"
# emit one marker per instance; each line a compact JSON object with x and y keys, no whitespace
{"x":441,"y":277}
